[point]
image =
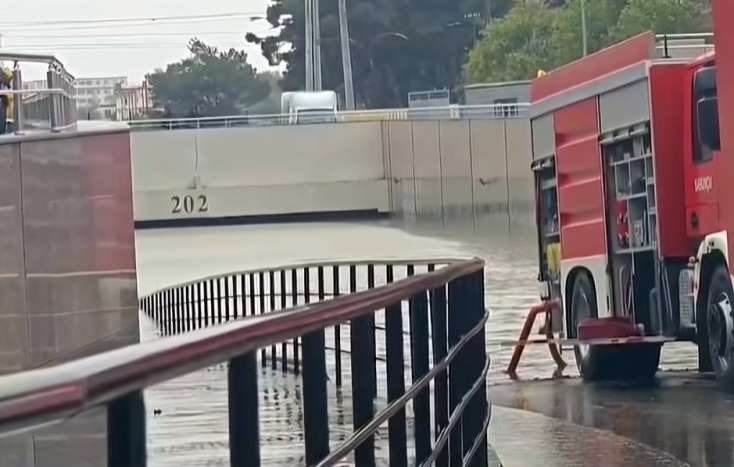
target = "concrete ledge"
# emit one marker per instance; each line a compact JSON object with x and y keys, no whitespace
{"x":333,"y":216}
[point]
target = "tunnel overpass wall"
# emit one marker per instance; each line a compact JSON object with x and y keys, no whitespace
{"x":465,"y":169}
{"x":431,"y":169}
{"x":67,"y":271}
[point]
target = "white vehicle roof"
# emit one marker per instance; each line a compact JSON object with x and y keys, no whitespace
{"x":306,"y":100}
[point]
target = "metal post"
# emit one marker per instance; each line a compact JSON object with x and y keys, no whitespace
{"x":243,"y":295}
{"x":585,"y":39}
{"x":283,"y":306}
{"x":373,"y":334}
{"x":261,"y":301}
{"x":346,"y":56}
{"x":475,"y":356}
{"x":18,"y":99}
{"x":244,"y":421}
{"x":315,"y":411}
{"x":199,"y":306}
{"x":309,"y":45}
{"x":440,"y":350}
{"x":187,"y":308}
{"x":420,"y":367}
{"x":226,"y":298}
{"x":294,"y":299}
{"x":53,"y":109}
{"x":218,"y":282}
{"x":337,"y":333}
{"x":126,"y":439}
{"x":273,"y":348}
{"x":209,"y":305}
{"x":317,"y":45}
{"x":397,"y":437}
{"x":458,"y":381}
{"x":362,"y":391}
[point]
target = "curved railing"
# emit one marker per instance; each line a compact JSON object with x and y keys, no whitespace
{"x":443,"y":301}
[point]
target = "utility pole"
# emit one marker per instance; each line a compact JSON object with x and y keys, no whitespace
{"x":346,"y":55}
{"x":309,"y":46}
{"x":317,"y":45}
{"x":585,"y":39}
{"x":313,"y":45}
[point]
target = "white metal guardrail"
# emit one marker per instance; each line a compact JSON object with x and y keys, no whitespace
{"x":453,"y":112}
{"x":684,"y":45}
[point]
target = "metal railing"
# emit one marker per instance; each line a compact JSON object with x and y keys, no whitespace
{"x":52,"y":108}
{"x":454,"y":112}
{"x":273,"y":309}
{"x":686,"y":43}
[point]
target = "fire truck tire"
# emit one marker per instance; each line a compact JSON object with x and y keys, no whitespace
{"x":720,"y":326}
{"x":609,"y":362}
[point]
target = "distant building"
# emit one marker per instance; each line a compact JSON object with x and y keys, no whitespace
{"x":95,"y":97}
{"x":506,"y":94}
{"x":133,"y":102}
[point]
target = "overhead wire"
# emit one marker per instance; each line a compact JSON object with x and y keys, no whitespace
{"x":157,"y":19}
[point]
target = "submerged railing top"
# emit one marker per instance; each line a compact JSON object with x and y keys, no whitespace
{"x":32,"y":399}
{"x":51,"y":108}
{"x":453,"y":112}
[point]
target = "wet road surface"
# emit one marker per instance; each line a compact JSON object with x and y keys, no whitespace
{"x":561,"y":423}
{"x":684,"y":415}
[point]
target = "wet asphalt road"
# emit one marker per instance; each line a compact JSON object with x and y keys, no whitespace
{"x":684,"y":419}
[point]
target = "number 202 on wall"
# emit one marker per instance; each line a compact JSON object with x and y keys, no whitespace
{"x":189,"y":204}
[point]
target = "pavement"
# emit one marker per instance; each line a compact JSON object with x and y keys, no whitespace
{"x":682,"y":419}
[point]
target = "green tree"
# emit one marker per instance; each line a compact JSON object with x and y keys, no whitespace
{"x":661,"y":16}
{"x":397,"y":46}
{"x":209,"y":83}
{"x":601,"y":16}
{"x":516,"y":46}
{"x":537,"y":35}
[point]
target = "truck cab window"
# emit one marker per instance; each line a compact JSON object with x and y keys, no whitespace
{"x":705,"y":115}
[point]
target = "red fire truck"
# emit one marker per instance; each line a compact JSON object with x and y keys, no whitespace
{"x":633,"y":156}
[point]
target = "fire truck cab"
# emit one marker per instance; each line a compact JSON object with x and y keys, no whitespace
{"x":633,"y":156}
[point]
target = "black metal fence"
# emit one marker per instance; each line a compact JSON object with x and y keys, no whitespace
{"x":442,"y":302}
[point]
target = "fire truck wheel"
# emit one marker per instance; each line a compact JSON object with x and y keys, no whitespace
{"x":583,"y":306}
{"x":720,"y":323}
{"x":638,"y":363}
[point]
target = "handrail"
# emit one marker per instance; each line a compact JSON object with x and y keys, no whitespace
{"x":60,"y":109}
{"x":358,"y":438}
{"x":38,"y":398}
{"x":289,"y":267}
{"x":37,"y":58}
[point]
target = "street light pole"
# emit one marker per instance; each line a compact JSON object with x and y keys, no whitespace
{"x":309,"y":45}
{"x":316,"y":13}
{"x":585,"y":39}
{"x":346,"y":56}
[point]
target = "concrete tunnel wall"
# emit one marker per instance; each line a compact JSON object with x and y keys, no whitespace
{"x":460,"y":169}
{"x":68,"y":284}
{"x":255,"y":171}
{"x":412,"y":169}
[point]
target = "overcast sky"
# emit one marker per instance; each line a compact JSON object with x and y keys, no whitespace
{"x":126,"y":48}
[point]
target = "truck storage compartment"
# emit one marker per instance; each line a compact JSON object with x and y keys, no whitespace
{"x":631,"y":201}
